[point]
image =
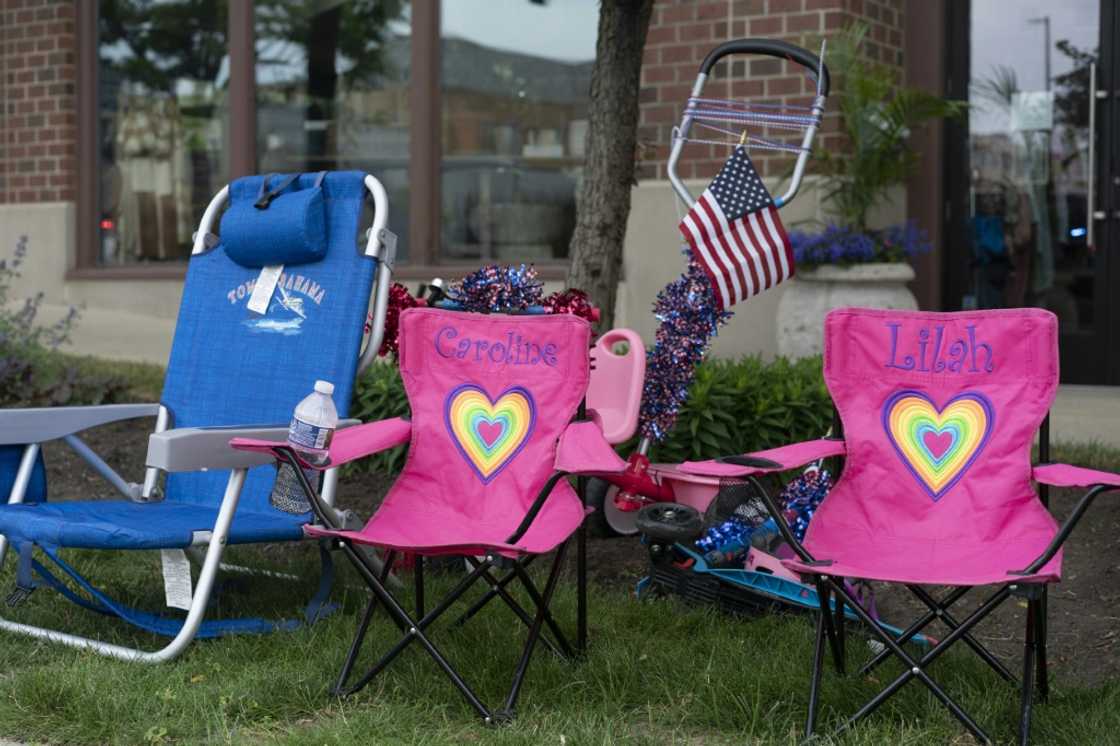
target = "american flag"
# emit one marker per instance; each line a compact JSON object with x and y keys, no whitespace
{"x":736,"y":235}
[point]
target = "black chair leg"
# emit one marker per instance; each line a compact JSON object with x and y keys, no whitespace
{"x":918,"y":625}
{"x":565,"y":649}
{"x":1030,"y":647}
{"x":496,"y":588}
{"x":416,"y":630}
{"x":507,"y":712}
{"x":355,"y":648}
{"x":418,"y":576}
{"x":499,"y":592}
{"x":839,"y":622}
{"x":581,"y":587}
{"x":1041,"y":631}
{"x":824,"y":592}
{"x":818,"y":664}
{"x":950,"y":621}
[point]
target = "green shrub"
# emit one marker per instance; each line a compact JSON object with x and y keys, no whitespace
{"x":737,"y":406}
{"x":379,"y":395}
{"x":32,"y":372}
{"x":734,"y":407}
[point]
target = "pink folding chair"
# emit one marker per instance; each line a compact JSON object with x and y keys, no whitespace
{"x":491,"y":441}
{"x":939,"y":411}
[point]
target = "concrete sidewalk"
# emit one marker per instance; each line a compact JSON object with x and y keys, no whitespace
{"x":1086,"y":413}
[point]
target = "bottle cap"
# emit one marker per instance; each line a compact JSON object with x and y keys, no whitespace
{"x":324,"y":387}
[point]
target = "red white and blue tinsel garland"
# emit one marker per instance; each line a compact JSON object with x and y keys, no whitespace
{"x":689,"y":319}
{"x":490,"y":289}
{"x":494,"y":289}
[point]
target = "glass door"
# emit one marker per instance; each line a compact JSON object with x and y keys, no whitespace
{"x":1031,"y":207}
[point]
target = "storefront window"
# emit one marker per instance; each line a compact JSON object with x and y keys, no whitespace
{"x":163,"y":124}
{"x":514,"y":123}
{"x":1029,"y":144}
{"x":332,"y":81}
{"x":332,"y":92}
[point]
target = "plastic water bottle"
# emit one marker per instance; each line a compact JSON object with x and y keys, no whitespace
{"x":313,"y":425}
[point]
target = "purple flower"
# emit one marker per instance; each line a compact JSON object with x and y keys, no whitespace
{"x":844,"y":245}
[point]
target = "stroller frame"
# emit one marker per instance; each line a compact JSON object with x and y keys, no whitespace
{"x":186,"y":449}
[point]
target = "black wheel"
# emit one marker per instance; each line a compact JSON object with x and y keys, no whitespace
{"x":608,"y":521}
{"x":670,"y":522}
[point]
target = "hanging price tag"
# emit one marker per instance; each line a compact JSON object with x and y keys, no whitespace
{"x":176,"y":578}
{"x":265,"y":287}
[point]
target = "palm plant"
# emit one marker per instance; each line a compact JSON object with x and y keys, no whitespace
{"x":877,"y":118}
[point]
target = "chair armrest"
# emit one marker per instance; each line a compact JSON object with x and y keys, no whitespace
{"x":584,"y":450}
{"x":347,"y":445}
{"x":202,"y":448}
{"x":40,"y":424}
{"x":773,"y":459}
{"x":1064,"y":475}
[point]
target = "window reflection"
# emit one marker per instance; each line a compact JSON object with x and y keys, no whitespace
{"x":163,"y":72}
{"x":332,"y":91}
{"x":515,"y":79}
{"x":1028,"y":150}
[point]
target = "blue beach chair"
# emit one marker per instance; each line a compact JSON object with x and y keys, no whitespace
{"x":232,"y":371}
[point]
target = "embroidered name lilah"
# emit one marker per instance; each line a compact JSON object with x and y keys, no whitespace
{"x":933,"y":352}
{"x":506,"y":349}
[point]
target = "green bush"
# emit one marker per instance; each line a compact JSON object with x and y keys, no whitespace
{"x":32,"y":371}
{"x":737,"y":406}
{"x":734,"y":407}
{"x":379,"y":395}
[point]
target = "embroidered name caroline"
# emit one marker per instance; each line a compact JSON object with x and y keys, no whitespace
{"x":512,"y":349}
{"x":931,"y":345}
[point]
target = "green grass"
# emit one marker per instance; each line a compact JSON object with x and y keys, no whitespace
{"x":656,"y":672}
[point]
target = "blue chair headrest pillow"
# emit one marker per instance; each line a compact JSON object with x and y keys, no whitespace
{"x":281,"y":226}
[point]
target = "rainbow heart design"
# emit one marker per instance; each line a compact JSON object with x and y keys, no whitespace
{"x":489,"y":432}
{"x":938,"y":445}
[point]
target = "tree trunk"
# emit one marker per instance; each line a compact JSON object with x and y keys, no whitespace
{"x":603,"y":204}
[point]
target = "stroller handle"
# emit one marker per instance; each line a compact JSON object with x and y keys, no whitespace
{"x":769,"y":48}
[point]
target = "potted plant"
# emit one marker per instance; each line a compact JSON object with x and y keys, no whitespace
{"x":845,"y":261}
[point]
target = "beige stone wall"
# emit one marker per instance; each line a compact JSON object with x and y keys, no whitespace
{"x":652,"y":259}
{"x":124,"y":319}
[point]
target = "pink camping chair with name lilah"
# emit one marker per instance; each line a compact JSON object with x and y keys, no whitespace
{"x":939,"y":412}
{"x":492,"y":436}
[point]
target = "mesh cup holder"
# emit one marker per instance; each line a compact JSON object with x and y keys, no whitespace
{"x":737,"y":498}
{"x":287,"y":494}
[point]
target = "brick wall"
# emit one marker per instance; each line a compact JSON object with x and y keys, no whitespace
{"x":682,"y":32}
{"x":38,"y":127}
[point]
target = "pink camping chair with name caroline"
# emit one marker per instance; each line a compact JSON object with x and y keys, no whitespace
{"x":939,"y":413}
{"x":492,"y":436}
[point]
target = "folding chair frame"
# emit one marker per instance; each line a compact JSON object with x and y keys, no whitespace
{"x":413,"y":626}
{"x":381,"y":245}
{"x":831,"y":623}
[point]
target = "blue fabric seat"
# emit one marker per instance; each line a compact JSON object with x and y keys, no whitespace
{"x":121,"y":524}
{"x":229,"y":366}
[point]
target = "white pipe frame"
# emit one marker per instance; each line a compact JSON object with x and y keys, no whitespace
{"x":381,"y":246}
